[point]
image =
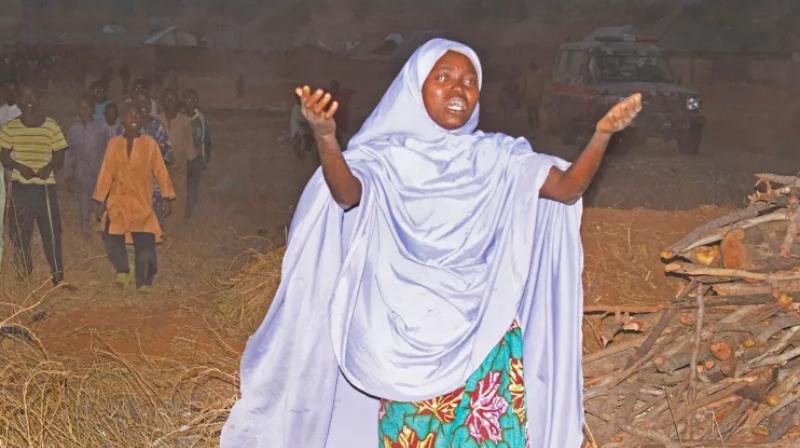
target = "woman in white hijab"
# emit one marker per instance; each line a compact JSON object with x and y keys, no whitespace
{"x":431,"y":288}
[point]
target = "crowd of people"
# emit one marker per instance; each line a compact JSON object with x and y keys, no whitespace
{"x":134,"y":165}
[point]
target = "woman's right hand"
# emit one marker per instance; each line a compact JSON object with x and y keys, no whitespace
{"x":318,"y":109}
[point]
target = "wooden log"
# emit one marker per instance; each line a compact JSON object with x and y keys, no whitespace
{"x":626,"y":409}
{"x":758,"y":391}
{"x":603,"y":385}
{"x":783,"y":391}
{"x":601,"y":367}
{"x":687,"y":409}
{"x":742,"y":219}
{"x":693,"y":270}
{"x":775,"y":326}
{"x":721,"y":350}
{"x":673,"y":362}
{"x":755,"y":394}
{"x":734,"y":419}
{"x":729,"y":367}
{"x":787,"y":247}
{"x":760,"y":248}
{"x":609,"y":327}
{"x":613,"y":349}
{"x":776,"y":360}
{"x":717,"y":301}
{"x":688,"y":242}
{"x":630,"y":309}
{"x":657,"y":378}
{"x":745,"y":289}
{"x":648,"y":343}
{"x":698,"y":338}
{"x":709,"y":256}
{"x":789,"y":419}
{"x":791,"y":181}
{"x":663,"y":439}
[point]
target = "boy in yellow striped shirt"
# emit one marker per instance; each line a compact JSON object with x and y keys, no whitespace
{"x":38,"y":146}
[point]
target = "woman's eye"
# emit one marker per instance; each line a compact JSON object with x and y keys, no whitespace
{"x":441,"y":77}
{"x":469,"y":82}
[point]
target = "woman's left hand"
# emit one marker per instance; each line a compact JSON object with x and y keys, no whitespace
{"x":621,"y":115}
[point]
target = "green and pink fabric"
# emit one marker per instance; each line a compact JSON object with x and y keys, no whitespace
{"x":489,"y":412}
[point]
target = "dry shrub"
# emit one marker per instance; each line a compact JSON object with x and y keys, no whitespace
{"x":109,"y":400}
{"x":105,"y":399}
{"x":245,"y":297}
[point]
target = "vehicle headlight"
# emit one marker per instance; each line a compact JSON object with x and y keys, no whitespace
{"x":693,"y":103}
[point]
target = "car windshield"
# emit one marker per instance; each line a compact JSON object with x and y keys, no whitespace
{"x":632,"y":67}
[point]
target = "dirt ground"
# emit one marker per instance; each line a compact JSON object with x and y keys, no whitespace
{"x":639,"y":204}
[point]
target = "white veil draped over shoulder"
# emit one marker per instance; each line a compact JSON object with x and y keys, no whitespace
{"x":403,"y":296}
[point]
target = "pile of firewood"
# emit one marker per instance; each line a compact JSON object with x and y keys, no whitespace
{"x":720,"y":364}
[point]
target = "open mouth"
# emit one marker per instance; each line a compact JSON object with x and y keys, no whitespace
{"x":456,"y":105}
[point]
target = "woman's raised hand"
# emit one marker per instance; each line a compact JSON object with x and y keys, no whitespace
{"x":318,"y":109}
{"x":621,"y":115}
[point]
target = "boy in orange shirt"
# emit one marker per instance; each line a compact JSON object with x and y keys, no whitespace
{"x":125,"y":189}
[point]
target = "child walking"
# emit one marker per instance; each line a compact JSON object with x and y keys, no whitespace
{"x":132,"y":164}
{"x":87,"y":140}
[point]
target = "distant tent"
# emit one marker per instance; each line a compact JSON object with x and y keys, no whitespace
{"x":174,"y":48}
{"x":393,"y":47}
{"x":174,"y":37}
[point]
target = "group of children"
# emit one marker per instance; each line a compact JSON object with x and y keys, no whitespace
{"x":126,"y":163}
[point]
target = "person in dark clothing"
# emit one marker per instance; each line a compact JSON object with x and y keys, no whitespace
{"x":100,"y":92}
{"x":87,"y":140}
{"x":201,"y":139}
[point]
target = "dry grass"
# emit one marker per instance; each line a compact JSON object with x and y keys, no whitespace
{"x":106,"y":399}
{"x":247,"y":295}
{"x":110,"y":401}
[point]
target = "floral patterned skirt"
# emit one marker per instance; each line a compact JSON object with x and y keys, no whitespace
{"x":488,"y":412}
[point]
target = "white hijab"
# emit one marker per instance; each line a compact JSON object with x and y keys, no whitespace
{"x":405,"y":295}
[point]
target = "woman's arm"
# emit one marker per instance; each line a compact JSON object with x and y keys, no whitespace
{"x":568,"y":186}
{"x":318,"y":110}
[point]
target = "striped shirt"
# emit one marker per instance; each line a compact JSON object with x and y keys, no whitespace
{"x":32,"y":146}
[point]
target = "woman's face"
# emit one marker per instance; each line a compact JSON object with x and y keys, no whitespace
{"x":450,"y":91}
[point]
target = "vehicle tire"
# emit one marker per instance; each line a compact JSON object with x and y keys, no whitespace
{"x":688,"y":141}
